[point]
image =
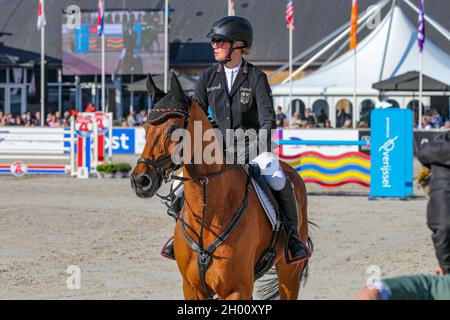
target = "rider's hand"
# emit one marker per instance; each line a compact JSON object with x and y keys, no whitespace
{"x":438,"y":271}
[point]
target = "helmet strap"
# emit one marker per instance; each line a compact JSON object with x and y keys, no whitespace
{"x":230,"y":52}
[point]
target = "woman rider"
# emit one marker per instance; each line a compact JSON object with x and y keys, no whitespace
{"x":239,"y":96}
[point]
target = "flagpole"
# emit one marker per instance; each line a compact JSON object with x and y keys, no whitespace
{"x":290,"y":75}
{"x":166,"y":44}
{"x":419,"y":125}
{"x":103,"y":71}
{"x":421,"y":42}
{"x":230,"y":8}
{"x":42,"y":72}
{"x":355,"y":80}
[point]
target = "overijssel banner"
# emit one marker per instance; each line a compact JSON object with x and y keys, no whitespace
{"x":391,"y":153}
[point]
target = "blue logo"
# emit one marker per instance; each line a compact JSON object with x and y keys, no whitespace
{"x":123,"y":141}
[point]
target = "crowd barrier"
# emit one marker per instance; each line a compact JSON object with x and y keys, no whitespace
{"x":77,"y":149}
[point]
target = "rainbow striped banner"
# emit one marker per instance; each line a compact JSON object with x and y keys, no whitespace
{"x":334,"y":169}
{"x":331,"y":171}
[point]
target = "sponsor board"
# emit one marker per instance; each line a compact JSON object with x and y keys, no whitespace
{"x":318,"y":134}
{"x":392,"y":153}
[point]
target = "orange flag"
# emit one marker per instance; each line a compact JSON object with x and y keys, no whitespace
{"x":354,"y":26}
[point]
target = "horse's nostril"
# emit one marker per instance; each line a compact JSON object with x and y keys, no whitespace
{"x":144,"y":182}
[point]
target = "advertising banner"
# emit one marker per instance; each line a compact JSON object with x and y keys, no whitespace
{"x":391,"y":153}
{"x":312,"y":134}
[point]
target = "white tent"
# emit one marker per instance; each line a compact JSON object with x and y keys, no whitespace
{"x":389,"y":50}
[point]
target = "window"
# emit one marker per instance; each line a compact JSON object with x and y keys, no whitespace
{"x":322,"y":112}
{"x":344,"y":113}
{"x":366,"y":109}
{"x":298,"y":107}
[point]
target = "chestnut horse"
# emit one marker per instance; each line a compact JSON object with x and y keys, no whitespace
{"x":214,"y":195}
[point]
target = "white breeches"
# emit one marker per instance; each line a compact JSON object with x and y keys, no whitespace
{"x":271,"y":170}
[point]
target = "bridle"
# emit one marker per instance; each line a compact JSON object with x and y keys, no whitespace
{"x":164,"y":172}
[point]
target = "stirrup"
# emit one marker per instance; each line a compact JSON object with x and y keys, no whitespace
{"x":290,"y":260}
{"x":167,"y":253}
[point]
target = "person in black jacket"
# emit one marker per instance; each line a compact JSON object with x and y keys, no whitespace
{"x":435,"y":155}
{"x":240,"y":97}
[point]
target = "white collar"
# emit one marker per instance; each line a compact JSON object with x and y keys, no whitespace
{"x":234,"y":70}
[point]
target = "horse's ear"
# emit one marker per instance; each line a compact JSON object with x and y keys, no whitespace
{"x":153,"y":91}
{"x":177,"y":91}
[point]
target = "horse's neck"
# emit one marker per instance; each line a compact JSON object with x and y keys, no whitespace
{"x":197,"y":117}
{"x":220,"y":188}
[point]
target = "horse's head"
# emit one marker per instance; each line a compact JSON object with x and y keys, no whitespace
{"x":170,"y":112}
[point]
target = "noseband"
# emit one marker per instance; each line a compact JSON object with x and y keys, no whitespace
{"x":161,"y":115}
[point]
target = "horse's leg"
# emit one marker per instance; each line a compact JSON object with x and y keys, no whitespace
{"x":190,"y":293}
{"x":241,"y":293}
{"x":289,"y":276}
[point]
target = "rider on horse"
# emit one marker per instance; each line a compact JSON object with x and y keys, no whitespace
{"x":240,"y":98}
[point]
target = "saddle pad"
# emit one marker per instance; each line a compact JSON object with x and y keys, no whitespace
{"x":267,"y":205}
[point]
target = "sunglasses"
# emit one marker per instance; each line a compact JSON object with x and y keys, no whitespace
{"x":219,"y":43}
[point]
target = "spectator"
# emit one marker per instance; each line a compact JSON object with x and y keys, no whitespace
{"x":131,"y":120}
{"x":141,"y":117}
{"x":124,"y":123}
{"x":73,"y":112}
{"x":322,"y":118}
{"x":310,"y":118}
{"x":436,"y":119}
{"x":280,"y":118}
{"x":65,"y":123}
{"x":90,"y":108}
{"x":347,"y":124}
{"x":2,"y":119}
{"x":446,"y":125}
{"x":18,"y":121}
{"x":416,"y":287}
{"x":444,"y":114}
{"x":296,"y":121}
{"x":341,"y":117}
{"x":426,"y":124}
{"x":58,"y":116}
{"x":328,"y":124}
{"x":363,"y":124}
{"x":53,"y":122}
{"x":435,"y":155}
{"x":37,"y":118}
{"x":67,"y":115}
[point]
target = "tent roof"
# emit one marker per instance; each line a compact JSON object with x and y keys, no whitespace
{"x":410,"y":82}
{"x":402,"y":55}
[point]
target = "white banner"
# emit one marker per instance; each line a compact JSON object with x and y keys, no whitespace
{"x":319,"y":134}
{"x":20,"y":140}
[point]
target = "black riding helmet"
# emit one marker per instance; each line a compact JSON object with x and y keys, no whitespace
{"x":234,"y":29}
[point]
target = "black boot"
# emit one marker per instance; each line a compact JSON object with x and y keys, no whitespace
{"x":174,"y":211}
{"x":295,"y":251}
